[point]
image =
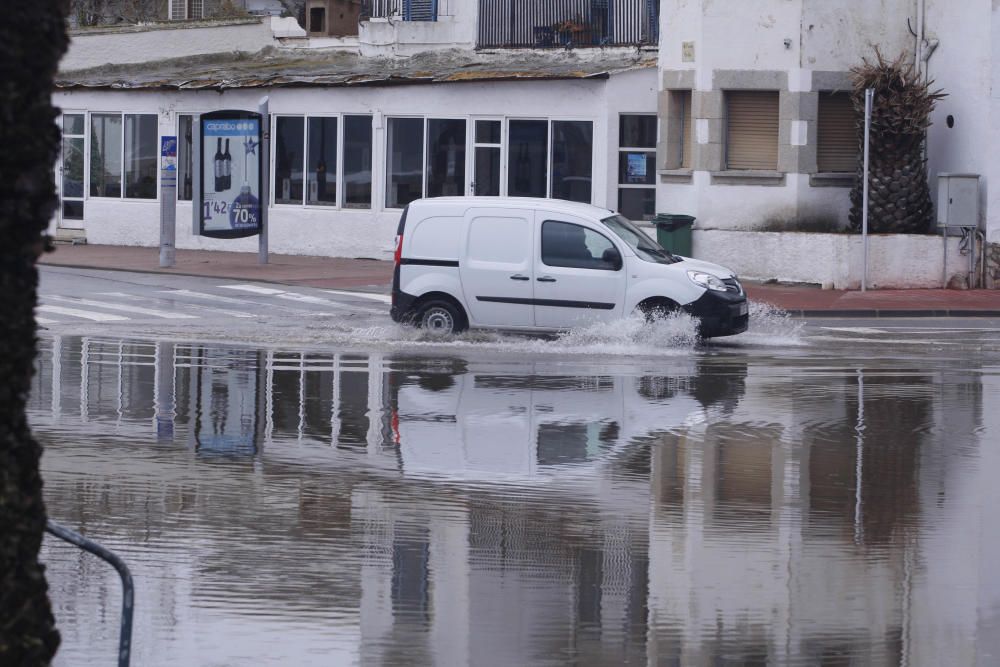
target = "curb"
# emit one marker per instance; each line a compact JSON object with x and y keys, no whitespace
{"x":893,"y":313}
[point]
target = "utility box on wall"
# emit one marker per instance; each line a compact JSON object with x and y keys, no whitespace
{"x":958,"y":200}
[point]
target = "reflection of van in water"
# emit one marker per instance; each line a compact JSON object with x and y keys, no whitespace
{"x":546,"y":264}
{"x":515,"y":423}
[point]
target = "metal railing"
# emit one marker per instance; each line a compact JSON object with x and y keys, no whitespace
{"x":128,"y":590}
{"x":568,"y":23}
{"x":406,"y":10}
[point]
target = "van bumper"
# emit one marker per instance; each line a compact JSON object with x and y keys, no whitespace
{"x":720,"y":313}
{"x":402,"y":307}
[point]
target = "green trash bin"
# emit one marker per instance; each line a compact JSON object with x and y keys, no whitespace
{"x":673,"y":232}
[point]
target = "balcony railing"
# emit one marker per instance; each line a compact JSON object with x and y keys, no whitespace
{"x":567,"y":23}
{"x":405,"y":10}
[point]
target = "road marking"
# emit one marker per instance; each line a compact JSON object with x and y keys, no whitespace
{"x":85,"y":314}
{"x":207,"y":297}
{"x":127,"y":308}
{"x":45,"y":320}
{"x":299,"y":298}
{"x":384,"y":298}
{"x":860,"y":330}
{"x":255,"y":289}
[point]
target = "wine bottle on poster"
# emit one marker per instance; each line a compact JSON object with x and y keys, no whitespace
{"x":227,"y":167}
{"x":219,"y":184}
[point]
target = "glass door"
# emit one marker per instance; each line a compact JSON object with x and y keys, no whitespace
{"x":487,"y":159}
{"x":71,"y":171}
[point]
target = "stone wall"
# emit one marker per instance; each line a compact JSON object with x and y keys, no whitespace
{"x":993,"y":265}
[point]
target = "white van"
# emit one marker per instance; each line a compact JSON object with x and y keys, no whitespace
{"x":546,"y":265}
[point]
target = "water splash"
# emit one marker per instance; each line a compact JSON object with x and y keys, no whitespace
{"x":771,"y":326}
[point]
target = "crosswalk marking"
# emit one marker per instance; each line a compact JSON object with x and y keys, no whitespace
{"x":384,"y":298}
{"x":45,"y":320}
{"x":256,"y":289}
{"x":123,"y":307}
{"x":85,"y":314}
{"x":293,"y":296}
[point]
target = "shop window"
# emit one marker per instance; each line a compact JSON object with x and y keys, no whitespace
{"x":836,"y":134}
{"x":404,"y":161}
{"x":321,"y":162}
{"x":317,"y":20}
{"x":527,"y":157}
{"x":572,"y":160}
{"x":142,"y":152}
{"x":637,"y":166}
{"x":124,"y":149}
{"x":445,"y":157}
{"x":488,"y":146}
{"x":752,"y":130}
{"x":289,"y":133}
{"x":310,"y":154}
{"x":105,"y":155}
{"x":357,"y":161}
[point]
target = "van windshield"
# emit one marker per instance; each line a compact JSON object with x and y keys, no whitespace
{"x":646,"y":248}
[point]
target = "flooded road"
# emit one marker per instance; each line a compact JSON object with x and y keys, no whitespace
{"x":500,"y":502}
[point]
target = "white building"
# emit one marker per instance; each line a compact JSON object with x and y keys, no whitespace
{"x":754,"y":136}
{"x":361,"y":125}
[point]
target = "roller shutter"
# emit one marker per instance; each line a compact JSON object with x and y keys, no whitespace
{"x":752,"y":130}
{"x":836,"y":130}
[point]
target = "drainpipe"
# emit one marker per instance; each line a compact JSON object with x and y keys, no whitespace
{"x":919,"y":46}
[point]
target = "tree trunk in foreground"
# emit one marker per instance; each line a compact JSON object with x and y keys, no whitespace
{"x":32,"y":40}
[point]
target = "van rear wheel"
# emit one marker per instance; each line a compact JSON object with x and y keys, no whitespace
{"x":439,"y":318}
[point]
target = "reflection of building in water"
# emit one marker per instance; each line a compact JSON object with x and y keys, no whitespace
{"x":716,"y":514}
{"x":807,"y":537}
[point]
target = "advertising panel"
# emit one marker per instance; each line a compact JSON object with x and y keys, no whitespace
{"x":230,"y":174}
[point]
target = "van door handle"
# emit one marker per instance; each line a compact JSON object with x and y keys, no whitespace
{"x":546,"y":279}
{"x":518,"y":276}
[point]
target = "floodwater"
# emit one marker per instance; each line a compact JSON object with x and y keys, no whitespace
{"x":517,"y":505}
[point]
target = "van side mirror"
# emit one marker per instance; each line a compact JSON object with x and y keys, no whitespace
{"x":612,"y":258}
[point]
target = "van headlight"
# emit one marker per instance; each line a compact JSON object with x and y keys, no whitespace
{"x":707,"y":280}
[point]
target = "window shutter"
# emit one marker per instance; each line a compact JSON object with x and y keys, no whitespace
{"x":836,"y":130}
{"x":752,"y":130}
{"x":688,"y":142}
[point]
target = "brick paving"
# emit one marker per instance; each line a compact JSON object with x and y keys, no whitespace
{"x":370,"y":274}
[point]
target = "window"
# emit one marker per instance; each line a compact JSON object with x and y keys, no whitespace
{"x":530,"y":173}
{"x":836,"y":130}
{"x":317,"y":19}
{"x":186,"y":9}
{"x":752,"y":130}
{"x":289,"y":133}
{"x":310,"y":154}
{"x":572,"y":148}
{"x":321,"y":162}
{"x":404,"y":161}
{"x":527,"y":157}
{"x":185,"y":153}
{"x":445,"y":157}
{"x":424,"y":158}
{"x":637,"y":166}
{"x":357,"y":161}
{"x":123,"y":151}
{"x":568,"y":245}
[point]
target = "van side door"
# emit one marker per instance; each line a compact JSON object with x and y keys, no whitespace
{"x":577,"y":280}
{"x":496,"y":267}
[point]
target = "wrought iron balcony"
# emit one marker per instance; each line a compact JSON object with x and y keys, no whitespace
{"x":567,"y":23}
{"x":404,"y":10}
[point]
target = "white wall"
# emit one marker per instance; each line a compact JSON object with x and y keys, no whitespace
{"x":456,"y":27}
{"x":359,"y":233}
{"x":137,"y":44}
{"x":961,"y":66}
{"x":895,"y":261}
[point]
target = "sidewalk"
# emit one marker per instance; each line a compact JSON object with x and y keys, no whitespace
{"x":370,"y":274}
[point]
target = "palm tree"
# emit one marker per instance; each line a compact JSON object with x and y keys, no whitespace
{"x":32,"y":39}
{"x":899,"y":197}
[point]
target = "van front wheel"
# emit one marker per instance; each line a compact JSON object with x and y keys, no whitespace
{"x":440,"y":318}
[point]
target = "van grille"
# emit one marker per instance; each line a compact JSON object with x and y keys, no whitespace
{"x":733,"y":285}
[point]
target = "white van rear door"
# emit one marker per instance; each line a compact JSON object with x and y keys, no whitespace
{"x":496,"y":267}
{"x":574,"y":285}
